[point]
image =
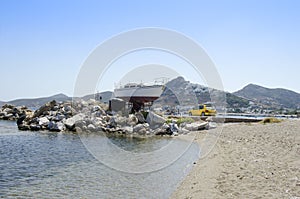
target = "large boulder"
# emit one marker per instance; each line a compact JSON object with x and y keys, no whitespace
{"x":91,"y":128}
{"x":117,"y":105}
{"x":23,"y":127}
{"x":59,"y":117}
{"x":98,"y":122}
{"x":153,"y":119}
{"x":43,"y":121}
{"x":173,"y":127}
{"x":35,"y":127}
{"x":127,"y":129}
{"x":196,"y":126}
{"x":117,"y":120}
{"x":141,"y":129}
{"x":45,"y":109}
{"x":81,"y":124}
{"x":8,"y":110}
{"x":132,"y":120}
{"x":56,"y":126}
{"x":163,"y":130}
{"x":67,"y":110}
{"x":21,"y":119}
{"x":70,"y":122}
{"x":138,"y":128}
{"x":8,"y":116}
{"x":140,"y":117}
{"x":183,"y":131}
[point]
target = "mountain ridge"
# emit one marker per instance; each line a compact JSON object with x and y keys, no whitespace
{"x":60,"y":97}
{"x":36,"y":102}
{"x":184,"y":93}
{"x":250,"y":97}
{"x":270,"y":97}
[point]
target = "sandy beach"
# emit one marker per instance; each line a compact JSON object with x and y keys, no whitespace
{"x":248,"y":161}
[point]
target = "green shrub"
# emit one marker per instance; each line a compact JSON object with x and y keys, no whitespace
{"x":184,"y":120}
{"x":180,"y":120}
{"x":145,"y":113}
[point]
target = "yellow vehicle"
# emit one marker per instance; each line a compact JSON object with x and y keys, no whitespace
{"x":203,"y":110}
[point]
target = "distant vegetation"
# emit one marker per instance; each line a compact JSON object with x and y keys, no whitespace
{"x":180,"y":120}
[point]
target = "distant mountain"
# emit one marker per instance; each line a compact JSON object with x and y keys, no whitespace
{"x":184,"y":93}
{"x":273,"y":98}
{"x":179,"y":91}
{"x":37,"y":102}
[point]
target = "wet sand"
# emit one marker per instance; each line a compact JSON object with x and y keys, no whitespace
{"x":248,"y":161}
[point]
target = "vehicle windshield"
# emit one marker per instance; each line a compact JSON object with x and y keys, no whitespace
{"x":209,"y":106}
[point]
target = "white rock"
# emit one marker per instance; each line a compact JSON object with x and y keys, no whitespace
{"x":96,"y":108}
{"x":43,"y":121}
{"x":154,"y":119}
{"x":133,"y":120}
{"x":212,"y":125}
{"x":142,"y":131}
{"x":146,"y":125}
{"x":138,"y":127}
{"x":70,"y":122}
{"x":195,"y":126}
{"x":128,"y":129}
{"x":91,"y":127}
{"x":183,"y":131}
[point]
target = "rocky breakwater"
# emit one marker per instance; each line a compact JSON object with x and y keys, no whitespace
{"x":48,"y":117}
{"x":92,"y":116}
{"x":12,"y":113}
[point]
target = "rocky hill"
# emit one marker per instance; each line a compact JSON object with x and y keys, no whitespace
{"x":37,"y":102}
{"x":181,"y":92}
{"x":277,"y":98}
{"x":34,"y":103}
{"x":184,"y":93}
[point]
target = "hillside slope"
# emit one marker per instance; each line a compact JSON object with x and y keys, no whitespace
{"x":274,"y":98}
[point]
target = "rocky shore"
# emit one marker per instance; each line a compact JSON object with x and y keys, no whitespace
{"x":92,"y":116}
{"x":12,"y":113}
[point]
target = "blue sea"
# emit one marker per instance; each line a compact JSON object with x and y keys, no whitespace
{"x":59,"y":165}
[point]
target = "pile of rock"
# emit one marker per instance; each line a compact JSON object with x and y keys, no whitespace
{"x":11,"y":112}
{"x":92,"y":116}
{"x":48,"y":117}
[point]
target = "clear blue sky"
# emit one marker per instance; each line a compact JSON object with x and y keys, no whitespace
{"x":44,"y":43}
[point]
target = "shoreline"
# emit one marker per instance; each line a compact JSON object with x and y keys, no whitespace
{"x":252,"y":160}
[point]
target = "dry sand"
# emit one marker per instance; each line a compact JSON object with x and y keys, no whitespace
{"x":248,"y":161}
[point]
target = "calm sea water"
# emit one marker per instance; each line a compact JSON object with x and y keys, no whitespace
{"x":57,"y":165}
